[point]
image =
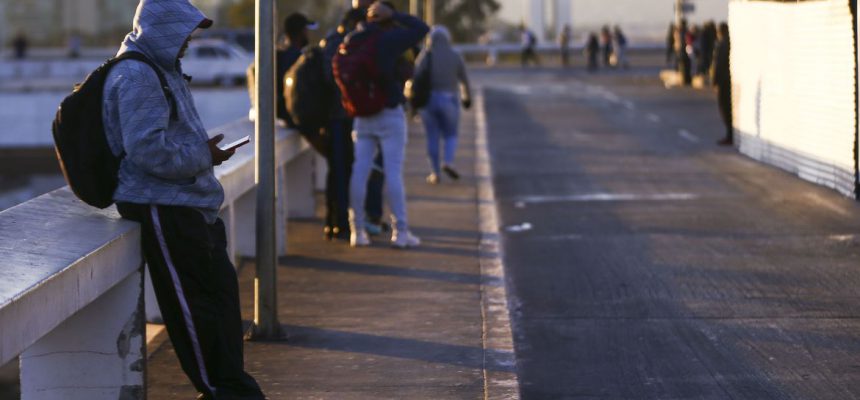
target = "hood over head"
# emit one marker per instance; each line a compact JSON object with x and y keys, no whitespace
{"x":439,"y":37}
{"x":161,"y":27}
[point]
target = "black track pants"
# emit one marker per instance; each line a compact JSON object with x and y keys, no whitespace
{"x":198,"y":293}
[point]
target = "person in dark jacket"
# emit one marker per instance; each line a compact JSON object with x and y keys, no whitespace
{"x":296,"y":27}
{"x":682,"y":55}
{"x":606,"y":46}
{"x":592,"y":51}
{"x":723,"y":81}
{"x":397,"y":33}
{"x":340,"y":150}
{"x":167,"y":184}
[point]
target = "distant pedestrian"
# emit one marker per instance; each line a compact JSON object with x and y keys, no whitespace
{"x":707,"y":42}
{"x":723,"y":81}
{"x":74,"y":45}
{"x":167,"y":183}
{"x":606,"y":46}
{"x":620,"y":48}
{"x":373,"y":91}
{"x":682,"y":55}
{"x":528,"y":41}
{"x":671,"y":59}
{"x":20,"y":44}
{"x":450,"y":89}
{"x":564,"y":39}
{"x":592,"y":51}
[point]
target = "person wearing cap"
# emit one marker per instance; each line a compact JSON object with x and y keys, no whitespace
{"x":296,"y":29}
{"x":167,"y":184}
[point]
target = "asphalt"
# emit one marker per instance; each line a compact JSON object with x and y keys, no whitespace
{"x":380,"y":323}
{"x":644,"y":262}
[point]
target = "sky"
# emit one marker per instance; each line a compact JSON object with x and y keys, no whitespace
{"x":644,"y":19}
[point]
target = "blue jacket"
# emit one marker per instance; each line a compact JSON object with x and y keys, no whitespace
{"x":393,"y":43}
{"x":167,"y":160}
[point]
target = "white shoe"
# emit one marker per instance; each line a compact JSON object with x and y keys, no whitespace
{"x":433,"y":179}
{"x":403,"y":240}
{"x":359,"y":238}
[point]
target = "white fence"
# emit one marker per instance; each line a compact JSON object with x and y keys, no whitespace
{"x":71,"y":283}
{"x":793,"y":70}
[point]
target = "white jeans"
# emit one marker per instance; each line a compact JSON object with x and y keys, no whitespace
{"x":387,"y":131}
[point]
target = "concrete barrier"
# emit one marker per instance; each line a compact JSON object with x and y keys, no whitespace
{"x":71,"y":277}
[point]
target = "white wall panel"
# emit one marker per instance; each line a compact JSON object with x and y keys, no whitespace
{"x":793,"y":69}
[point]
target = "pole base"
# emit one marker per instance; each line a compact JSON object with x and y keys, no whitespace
{"x":276,"y":333}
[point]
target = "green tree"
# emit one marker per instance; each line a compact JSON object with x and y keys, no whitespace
{"x":466,"y":19}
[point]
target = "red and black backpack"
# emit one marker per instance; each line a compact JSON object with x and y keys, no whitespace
{"x":358,"y":75}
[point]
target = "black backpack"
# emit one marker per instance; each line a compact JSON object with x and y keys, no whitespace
{"x":307,"y":91}
{"x":87,"y":162}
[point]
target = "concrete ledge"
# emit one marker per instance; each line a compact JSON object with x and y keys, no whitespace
{"x":45,"y":277}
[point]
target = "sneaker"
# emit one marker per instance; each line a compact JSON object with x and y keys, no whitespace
{"x":359,"y":238}
{"x":403,"y":240}
{"x":433,"y":179}
{"x":451,"y":172}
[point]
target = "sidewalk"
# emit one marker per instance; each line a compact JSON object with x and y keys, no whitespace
{"x":379,"y":323}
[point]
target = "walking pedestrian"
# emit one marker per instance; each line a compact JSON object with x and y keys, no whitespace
{"x":606,"y":46}
{"x":564,"y":43}
{"x":682,"y":55}
{"x":20,"y":44}
{"x":592,"y":51}
{"x":708,"y":44}
{"x":528,"y":41}
{"x":723,"y":81}
{"x":167,"y":184}
{"x":387,"y":35}
{"x":450,"y":87}
{"x":620,"y":48}
{"x":671,"y":59}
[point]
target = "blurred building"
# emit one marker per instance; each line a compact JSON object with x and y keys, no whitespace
{"x":51,"y":22}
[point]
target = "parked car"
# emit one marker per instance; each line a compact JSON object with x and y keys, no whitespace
{"x":215,"y":62}
{"x":243,"y":38}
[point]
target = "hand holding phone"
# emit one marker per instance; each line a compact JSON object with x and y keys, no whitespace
{"x":237,"y":144}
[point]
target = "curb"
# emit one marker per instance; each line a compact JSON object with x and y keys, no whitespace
{"x":500,"y":367}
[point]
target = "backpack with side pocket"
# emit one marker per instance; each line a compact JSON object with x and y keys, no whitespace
{"x":307,"y":91}
{"x":86,"y":159}
{"x":359,"y":76}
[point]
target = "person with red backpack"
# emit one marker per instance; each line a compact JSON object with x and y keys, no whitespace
{"x":366,"y":71}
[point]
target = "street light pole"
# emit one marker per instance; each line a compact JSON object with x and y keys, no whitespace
{"x":266,"y":325}
{"x":679,"y":12}
{"x":430,"y":12}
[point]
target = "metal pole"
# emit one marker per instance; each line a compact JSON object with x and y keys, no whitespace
{"x":679,"y":12}
{"x":414,"y":7}
{"x":430,"y":12}
{"x":266,"y":325}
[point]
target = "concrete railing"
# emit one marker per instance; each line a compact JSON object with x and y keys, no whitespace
{"x":71,"y":277}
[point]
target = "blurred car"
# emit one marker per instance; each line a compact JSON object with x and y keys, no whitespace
{"x":215,"y":62}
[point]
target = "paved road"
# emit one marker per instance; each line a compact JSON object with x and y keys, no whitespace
{"x":645,"y":263}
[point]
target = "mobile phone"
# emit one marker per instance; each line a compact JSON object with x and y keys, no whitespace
{"x":239,"y":143}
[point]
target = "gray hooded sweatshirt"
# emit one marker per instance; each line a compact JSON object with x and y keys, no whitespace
{"x":448,"y":68}
{"x":167,"y":160}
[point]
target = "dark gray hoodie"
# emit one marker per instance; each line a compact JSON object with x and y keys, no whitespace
{"x":167,"y":159}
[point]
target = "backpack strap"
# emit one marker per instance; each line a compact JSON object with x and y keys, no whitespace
{"x":168,"y":93}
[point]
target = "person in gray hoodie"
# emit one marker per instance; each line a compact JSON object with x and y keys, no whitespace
{"x":167,"y":184}
{"x":450,"y":88}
